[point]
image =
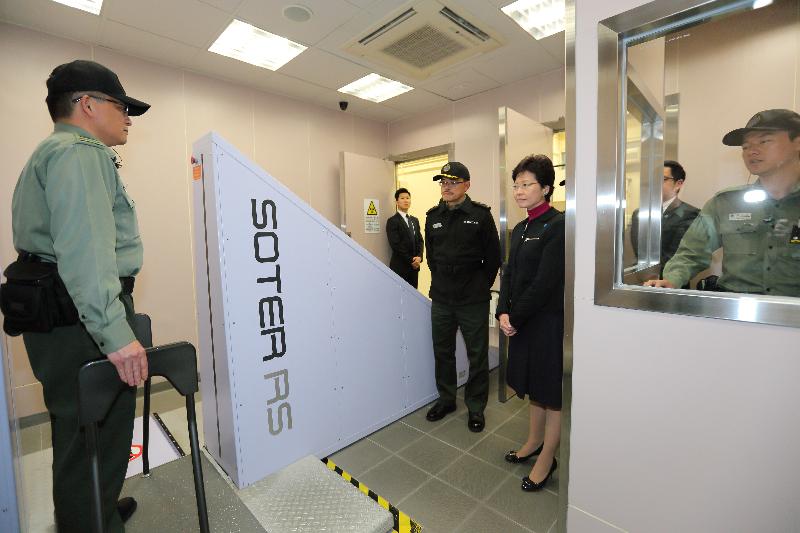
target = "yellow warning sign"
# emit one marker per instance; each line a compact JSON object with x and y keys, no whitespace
{"x":372,"y":209}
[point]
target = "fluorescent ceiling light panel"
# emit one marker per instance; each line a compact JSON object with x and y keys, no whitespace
{"x":253,"y":45}
{"x":90,"y":6}
{"x":375,"y":88}
{"x":540,"y":18}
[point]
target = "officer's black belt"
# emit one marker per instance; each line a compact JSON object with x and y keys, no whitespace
{"x":459,"y":268}
{"x":127,"y":284}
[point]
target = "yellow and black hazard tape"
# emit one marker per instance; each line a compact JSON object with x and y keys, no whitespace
{"x":402,"y":522}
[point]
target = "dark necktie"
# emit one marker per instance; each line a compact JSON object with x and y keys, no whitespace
{"x":410,"y":225}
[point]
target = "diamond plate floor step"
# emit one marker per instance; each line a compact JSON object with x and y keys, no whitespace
{"x":308,"y":497}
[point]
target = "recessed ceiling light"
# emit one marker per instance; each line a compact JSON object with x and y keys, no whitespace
{"x":297,"y":13}
{"x":540,"y":18}
{"x":253,"y":45}
{"x":758,"y":4}
{"x":90,"y":6}
{"x":375,"y":88}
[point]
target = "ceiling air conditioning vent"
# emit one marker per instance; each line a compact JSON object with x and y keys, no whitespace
{"x":388,"y":26}
{"x":422,"y":39}
{"x":424,"y":47}
{"x":464,"y":24}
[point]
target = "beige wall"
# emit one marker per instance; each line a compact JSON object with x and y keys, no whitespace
{"x":296,"y":142}
{"x":725,"y":72}
{"x":647,"y":60}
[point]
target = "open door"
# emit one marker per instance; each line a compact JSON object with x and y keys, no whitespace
{"x":519,"y":136}
{"x":367,"y":188}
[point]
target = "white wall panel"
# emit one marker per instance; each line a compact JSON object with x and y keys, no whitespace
{"x":354,"y":348}
{"x":678,"y":423}
{"x":367,"y":341}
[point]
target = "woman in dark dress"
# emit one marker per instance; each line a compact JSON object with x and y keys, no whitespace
{"x":531,"y":314}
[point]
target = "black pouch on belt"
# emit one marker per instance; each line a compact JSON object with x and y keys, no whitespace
{"x":34,"y":299}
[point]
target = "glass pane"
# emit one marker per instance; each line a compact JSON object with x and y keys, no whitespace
{"x":633,"y":177}
{"x":725,"y":217}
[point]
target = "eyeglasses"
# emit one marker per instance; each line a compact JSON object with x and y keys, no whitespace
{"x":123,"y":107}
{"x":524,"y":186}
{"x":448,"y":183}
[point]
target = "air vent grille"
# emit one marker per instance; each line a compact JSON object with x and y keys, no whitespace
{"x":464,"y":24}
{"x":399,"y":19}
{"x":424,"y":47}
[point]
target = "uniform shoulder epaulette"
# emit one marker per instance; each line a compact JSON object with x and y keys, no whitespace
{"x":90,"y":142}
{"x":432,"y":209}
{"x":735,"y":188}
{"x":480,"y":204}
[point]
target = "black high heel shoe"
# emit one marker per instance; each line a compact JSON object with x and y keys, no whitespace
{"x":512,"y":456}
{"x":532,"y":486}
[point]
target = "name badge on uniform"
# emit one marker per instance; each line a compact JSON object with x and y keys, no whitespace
{"x":740,"y":216}
{"x":437,"y":225}
{"x":795,"y":236}
{"x":471,"y":222}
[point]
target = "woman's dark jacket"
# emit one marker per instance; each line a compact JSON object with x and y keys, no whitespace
{"x":533,"y":280}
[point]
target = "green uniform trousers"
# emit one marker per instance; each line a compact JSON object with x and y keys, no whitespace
{"x":55,"y":358}
{"x":473,"y":320}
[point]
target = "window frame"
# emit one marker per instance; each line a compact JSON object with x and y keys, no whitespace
{"x":615,"y":34}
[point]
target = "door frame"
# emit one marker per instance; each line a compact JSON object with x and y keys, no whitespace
{"x":450,"y":149}
{"x":9,"y":505}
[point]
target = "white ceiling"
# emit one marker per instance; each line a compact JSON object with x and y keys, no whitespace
{"x":179,"y":32}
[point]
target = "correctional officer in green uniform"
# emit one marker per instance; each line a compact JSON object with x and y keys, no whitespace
{"x":757,"y":225}
{"x":70,"y":207}
{"x":463,"y":256}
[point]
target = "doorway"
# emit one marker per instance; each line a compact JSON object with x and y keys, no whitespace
{"x":416,"y":175}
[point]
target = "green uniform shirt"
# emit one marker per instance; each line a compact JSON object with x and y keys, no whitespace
{"x":70,"y":207}
{"x":755,"y":233}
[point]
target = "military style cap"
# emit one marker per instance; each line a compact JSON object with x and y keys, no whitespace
{"x":82,"y":75}
{"x":769,"y":120}
{"x":453,"y":171}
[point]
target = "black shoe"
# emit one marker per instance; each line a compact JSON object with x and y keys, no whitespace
{"x":126,"y":507}
{"x":512,"y":456}
{"x":439,"y":411}
{"x":531,"y":486}
{"x":476,"y":422}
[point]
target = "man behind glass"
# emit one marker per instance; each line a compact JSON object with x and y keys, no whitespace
{"x":463,"y":256}
{"x":756,"y":225}
{"x":676,"y":215}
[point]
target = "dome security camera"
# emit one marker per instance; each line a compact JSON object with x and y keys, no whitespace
{"x":343,"y":105}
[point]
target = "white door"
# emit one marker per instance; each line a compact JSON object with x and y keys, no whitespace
{"x":520,"y":136}
{"x":523,"y":137}
{"x":367,"y":200}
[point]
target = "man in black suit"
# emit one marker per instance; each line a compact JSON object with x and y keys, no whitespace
{"x":405,"y":239}
{"x":676,"y":215}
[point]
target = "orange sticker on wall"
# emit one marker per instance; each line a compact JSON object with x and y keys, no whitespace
{"x":197,"y":172}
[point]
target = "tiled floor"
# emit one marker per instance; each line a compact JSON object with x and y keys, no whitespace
{"x":441,"y":474}
{"x":450,"y":479}
{"x":37,"y":458}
